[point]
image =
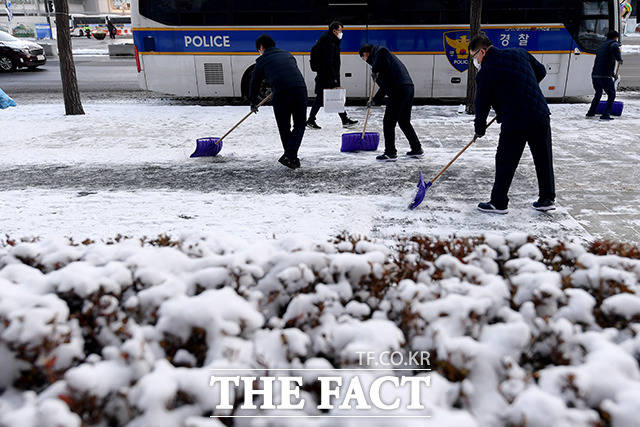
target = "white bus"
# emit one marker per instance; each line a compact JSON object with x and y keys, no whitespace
{"x":206,"y":48}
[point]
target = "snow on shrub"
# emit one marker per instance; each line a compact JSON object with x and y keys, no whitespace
{"x":520,"y":332}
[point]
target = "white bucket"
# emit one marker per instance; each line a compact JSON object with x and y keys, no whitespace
{"x":334,"y":100}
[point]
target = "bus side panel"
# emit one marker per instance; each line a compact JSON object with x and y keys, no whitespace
{"x":355,"y":73}
{"x":420,"y":69}
{"x":213,"y":73}
{"x":557,"y":66}
{"x":173,"y":74}
{"x":142,"y":75}
{"x":448,"y":82}
{"x":579,"y":81}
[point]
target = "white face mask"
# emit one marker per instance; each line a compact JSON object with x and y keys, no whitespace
{"x":477,"y":64}
{"x":339,"y":36}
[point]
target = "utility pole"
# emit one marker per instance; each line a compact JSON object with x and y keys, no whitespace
{"x":475,"y":17}
{"x":72,"y":101}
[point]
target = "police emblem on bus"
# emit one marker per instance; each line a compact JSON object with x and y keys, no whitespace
{"x":456,"y":47}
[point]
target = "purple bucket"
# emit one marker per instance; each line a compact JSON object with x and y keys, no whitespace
{"x":616,"y":110}
{"x":355,"y":142}
{"x":207,"y":147}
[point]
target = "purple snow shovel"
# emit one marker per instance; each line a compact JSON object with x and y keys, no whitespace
{"x":209,"y":147}
{"x":422,"y":187}
{"x":365,"y":141}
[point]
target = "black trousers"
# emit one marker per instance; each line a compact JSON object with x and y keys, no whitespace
{"x":607,"y":85}
{"x":510,"y":149}
{"x":398,"y":111}
{"x":288,"y":104}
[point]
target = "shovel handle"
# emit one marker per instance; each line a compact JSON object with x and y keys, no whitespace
{"x":373,"y":87}
{"x":617,"y":72}
{"x":460,"y":153}
{"x":264,"y":101}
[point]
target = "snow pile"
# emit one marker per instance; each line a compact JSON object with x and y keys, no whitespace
{"x":630,"y":49}
{"x":519,"y":331}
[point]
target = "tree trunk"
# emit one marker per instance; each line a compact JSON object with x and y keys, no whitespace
{"x":72,"y":102}
{"x":474,"y":30}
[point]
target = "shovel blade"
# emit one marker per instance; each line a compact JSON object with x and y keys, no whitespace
{"x":207,"y":147}
{"x":354,"y":141}
{"x":420,"y":193}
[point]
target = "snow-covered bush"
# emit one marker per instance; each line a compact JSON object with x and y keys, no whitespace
{"x":519,"y":332}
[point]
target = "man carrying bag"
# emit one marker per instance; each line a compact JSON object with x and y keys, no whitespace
{"x":325,"y":61}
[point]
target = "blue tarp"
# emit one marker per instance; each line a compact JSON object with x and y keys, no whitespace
{"x":5,"y":101}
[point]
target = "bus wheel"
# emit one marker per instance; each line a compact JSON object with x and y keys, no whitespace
{"x":263,"y":91}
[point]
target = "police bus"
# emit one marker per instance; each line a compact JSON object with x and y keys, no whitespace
{"x":206,"y":48}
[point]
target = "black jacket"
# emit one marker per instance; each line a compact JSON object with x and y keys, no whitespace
{"x":509,"y":81}
{"x":606,"y":56}
{"x":280,"y":69}
{"x":328,"y":75}
{"x":390,"y":70}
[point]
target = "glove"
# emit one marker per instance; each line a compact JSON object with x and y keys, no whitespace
{"x":375,"y":76}
{"x":479,"y":133}
{"x":254,"y":108}
{"x":369,"y":104}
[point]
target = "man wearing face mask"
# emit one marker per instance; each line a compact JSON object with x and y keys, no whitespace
{"x":289,"y":90}
{"x":508,"y":80}
{"x":325,"y":60}
{"x":392,"y":76}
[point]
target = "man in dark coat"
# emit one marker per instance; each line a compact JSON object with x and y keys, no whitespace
{"x":327,"y":49}
{"x":508,"y":81}
{"x":603,"y":75}
{"x":280,"y":69}
{"x":392,"y":76}
{"x":112,"y":29}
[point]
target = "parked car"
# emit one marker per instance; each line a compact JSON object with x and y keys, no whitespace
{"x":16,"y":53}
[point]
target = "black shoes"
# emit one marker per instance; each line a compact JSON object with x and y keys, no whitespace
{"x":606,"y":118}
{"x":387,"y":158}
{"x":544,"y":205}
{"x":290,"y":163}
{"x":416,"y":154}
{"x":311,"y":124}
{"x":346,"y":122}
{"x":490,"y":208}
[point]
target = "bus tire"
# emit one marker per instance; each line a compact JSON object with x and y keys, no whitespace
{"x":265,"y":88}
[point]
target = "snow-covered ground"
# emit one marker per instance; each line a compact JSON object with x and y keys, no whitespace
{"x":630,"y":49}
{"x":125,"y":168}
{"x":125,"y":331}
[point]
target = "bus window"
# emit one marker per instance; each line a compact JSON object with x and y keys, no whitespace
{"x":420,"y":12}
{"x":348,"y":12}
{"x":594,"y":25}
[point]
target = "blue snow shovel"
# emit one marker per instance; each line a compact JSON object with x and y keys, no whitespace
{"x":208,"y":147}
{"x":6,"y":101}
{"x":362,"y":141}
{"x":422,"y":187}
